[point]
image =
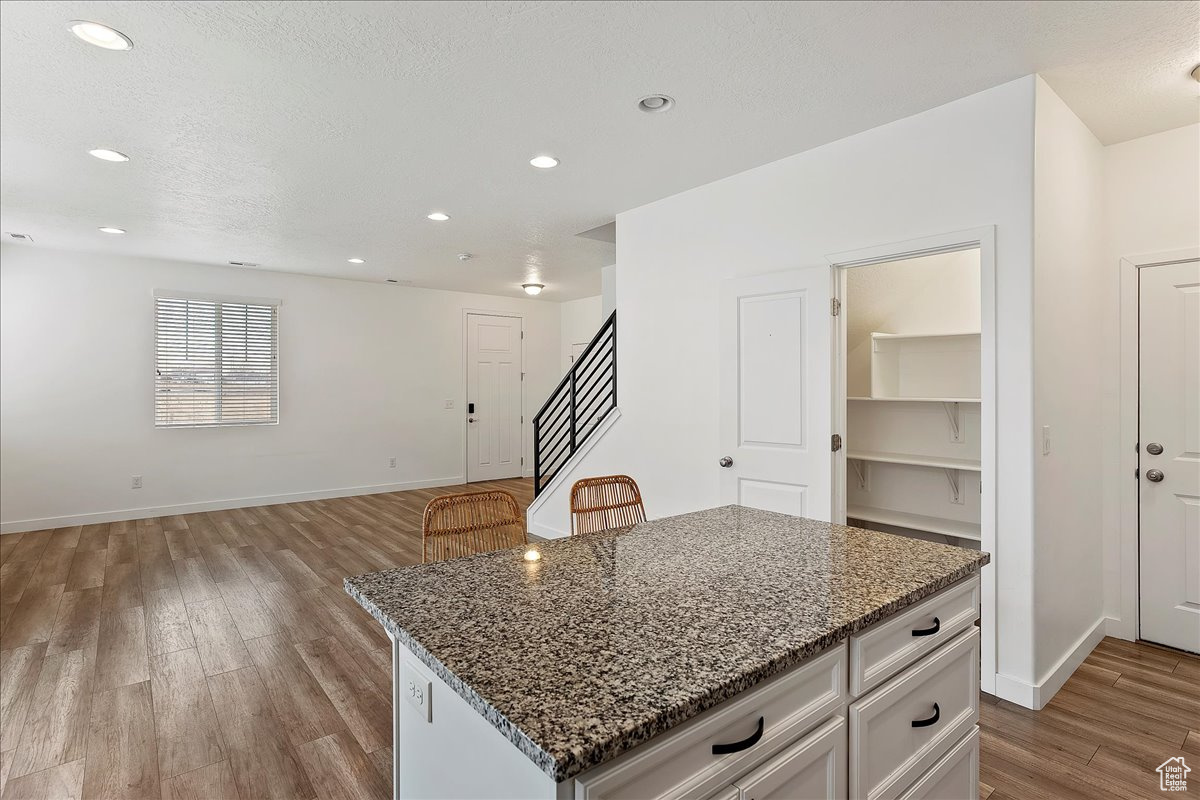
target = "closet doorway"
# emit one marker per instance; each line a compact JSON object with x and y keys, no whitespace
{"x":914,"y":397}
{"x":912,"y":387}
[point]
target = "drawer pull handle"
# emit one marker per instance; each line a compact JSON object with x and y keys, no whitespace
{"x":925,"y":723}
{"x":744,"y":744}
{"x":937,"y":626}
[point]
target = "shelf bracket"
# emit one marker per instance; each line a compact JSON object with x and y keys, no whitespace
{"x":861,"y":469}
{"x":952,"y":479}
{"x":952,"y":415}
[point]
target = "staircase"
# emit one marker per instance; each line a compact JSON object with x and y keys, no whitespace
{"x":582,"y":399}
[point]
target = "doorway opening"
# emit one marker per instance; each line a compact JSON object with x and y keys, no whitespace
{"x":494,"y":418}
{"x":910,"y":352}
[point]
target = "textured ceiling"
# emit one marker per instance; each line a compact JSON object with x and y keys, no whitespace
{"x":297,"y":135}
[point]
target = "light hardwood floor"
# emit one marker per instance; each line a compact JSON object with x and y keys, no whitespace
{"x":213,"y":656}
{"x":203,"y":656}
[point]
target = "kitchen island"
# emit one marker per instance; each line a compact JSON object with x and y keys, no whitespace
{"x":694,"y":656}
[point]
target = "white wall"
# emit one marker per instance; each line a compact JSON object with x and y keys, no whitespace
{"x":608,"y":290}
{"x":930,"y":294}
{"x":1152,"y":205}
{"x":580,"y":320}
{"x":1068,"y":378}
{"x":365,"y":370}
{"x":963,"y":165}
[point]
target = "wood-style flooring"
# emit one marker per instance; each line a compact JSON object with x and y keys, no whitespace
{"x":204,"y":656}
{"x":212,"y":656}
{"x":1127,"y":709}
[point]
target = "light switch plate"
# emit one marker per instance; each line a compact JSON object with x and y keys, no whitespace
{"x":417,"y":690}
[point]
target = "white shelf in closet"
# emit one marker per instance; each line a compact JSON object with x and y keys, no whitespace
{"x":919,"y":522}
{"x":939,"y":462}
{"x":917,"y":399}
{"x":905,"y":365}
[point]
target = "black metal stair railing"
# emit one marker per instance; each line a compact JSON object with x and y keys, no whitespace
{"x":586,"y":394}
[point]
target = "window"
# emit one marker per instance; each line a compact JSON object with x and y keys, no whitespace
{"x":216,"y":362}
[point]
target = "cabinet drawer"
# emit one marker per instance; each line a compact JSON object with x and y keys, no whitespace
{"x":681,"y":763}
{"x":883,"y":650}
{"x":955,"y":777}
{"x":897,"y":732}
{"x":814,"y":768}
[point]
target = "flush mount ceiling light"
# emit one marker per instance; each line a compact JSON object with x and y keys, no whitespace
{"x":107,"y":229}
{"x":356,"y":261}
{"x":438,"y":216}
{"x":108,"y":155}
{"x":533,"y":289}
{"x":544,"y":162}
{"x":656,"y":103}
{"x":100,"y":35}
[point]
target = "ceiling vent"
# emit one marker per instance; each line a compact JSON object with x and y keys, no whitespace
{"x":242,"y":264}
{"x":19,"y":237}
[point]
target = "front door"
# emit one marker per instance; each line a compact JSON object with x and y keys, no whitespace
{"x":1169,"y":453}
{"x":775,"y":392}
{"x":493,"y":397}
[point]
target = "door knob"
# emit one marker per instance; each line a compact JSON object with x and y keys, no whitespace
{"x":470,"y":419}
{"x":1154,"y":449}
{"x":726,"y":462}
{"x":1154,"y":475}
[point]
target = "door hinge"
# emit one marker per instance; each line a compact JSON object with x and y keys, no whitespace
{"x":835,"y":307}
{"x":1137,"y":473}
{"x":835,"y":442}
{"x":522,"y":334}
{"x":522,"y":376}
{"x":522,"y":461}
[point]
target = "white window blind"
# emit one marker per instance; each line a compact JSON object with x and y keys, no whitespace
{"x":216,"y":362}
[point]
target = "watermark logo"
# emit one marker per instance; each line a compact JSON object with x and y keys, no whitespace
{"x":1172,"y":775}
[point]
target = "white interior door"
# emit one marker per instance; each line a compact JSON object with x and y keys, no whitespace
{"x":493,"y":397}
{"x":1169,"y":453}
{"x":775,"y":392}
{"x":577,"y":350}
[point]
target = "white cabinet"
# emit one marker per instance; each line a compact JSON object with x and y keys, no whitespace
{"x":954,"y":777}
{"x":858,"y":721}
{"x":814,"y":767}
{"x":761,"y":721}
{"x":904,"y":727}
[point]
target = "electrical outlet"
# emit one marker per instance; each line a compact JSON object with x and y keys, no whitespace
{"x":449,"y":404}
{"x":392,"y":462}
{"x":136,"y":482}
{"x":1045,"y":440}
{"x":417,"y":690}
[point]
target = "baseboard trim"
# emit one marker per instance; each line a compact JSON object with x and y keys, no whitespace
{"x":19,"y":526}
{"x":1036,"y":696}
{"x":546,"y":532}
{"x":1119,"y":629}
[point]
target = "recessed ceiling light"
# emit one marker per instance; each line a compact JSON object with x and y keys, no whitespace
{"x":108,"y":155}
{"x":544,"y":162}
{"x":533,"y":289}
{"x":356,"y":261}
{"x":100,"y":35}
{"x":438,"y":216}
{"x":243,"y":263}
{"x":656,"y":103}
{"x":465,"y":256}
{"x":1196,"y":72}
{"x":107,"y":229}
{"x":392,"y":280}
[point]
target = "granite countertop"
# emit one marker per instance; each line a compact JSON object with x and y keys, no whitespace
{"x":613,"y":638}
